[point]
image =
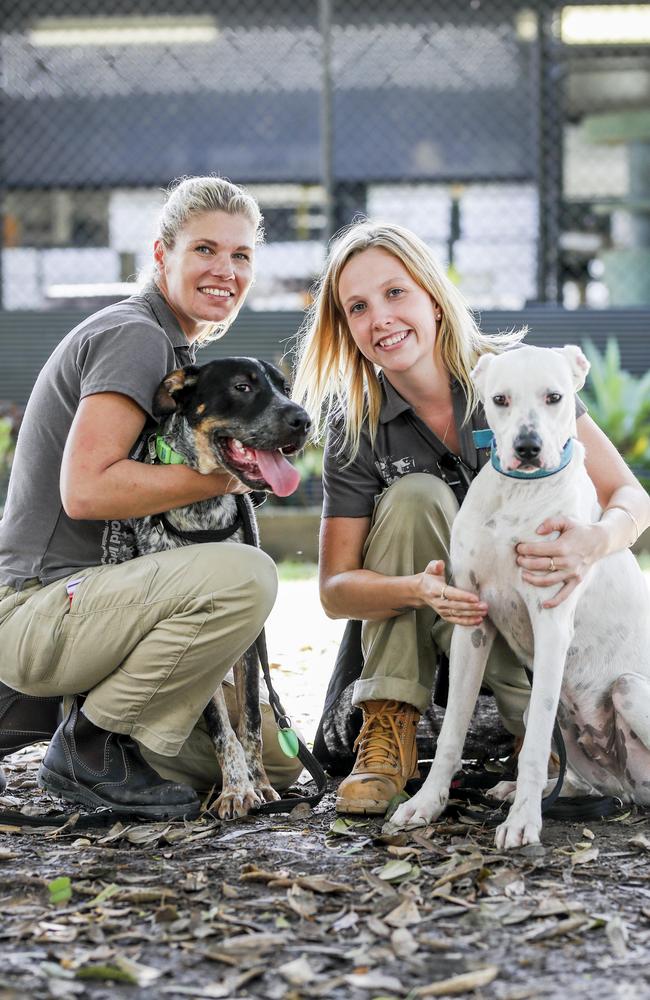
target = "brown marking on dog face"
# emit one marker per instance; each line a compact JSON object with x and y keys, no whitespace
{"x":199,"y":410}
{"x":207,"y":460}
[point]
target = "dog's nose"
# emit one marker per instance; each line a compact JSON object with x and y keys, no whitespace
{"x":527,"y":446}
{"x":297,"y":419}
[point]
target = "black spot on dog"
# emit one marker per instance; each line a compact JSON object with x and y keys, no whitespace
{"x":478,"y":637}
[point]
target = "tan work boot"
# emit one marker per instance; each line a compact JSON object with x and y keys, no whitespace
{"x":386,"y":759}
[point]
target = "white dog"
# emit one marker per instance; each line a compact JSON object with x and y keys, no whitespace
{"x":590,"y":655}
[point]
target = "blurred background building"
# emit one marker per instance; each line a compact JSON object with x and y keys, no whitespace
{"x":513,"y":137}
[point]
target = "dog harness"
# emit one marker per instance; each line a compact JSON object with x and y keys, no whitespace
{"x":160,"y":451}
{"x":486,"y":439}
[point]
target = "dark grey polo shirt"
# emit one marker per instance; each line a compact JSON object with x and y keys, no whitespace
{"x":403,"y":444}
{"x":128,"y":348}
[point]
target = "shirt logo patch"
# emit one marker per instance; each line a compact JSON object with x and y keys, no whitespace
{"x":391,"y":469}
{"x":118,"y":544}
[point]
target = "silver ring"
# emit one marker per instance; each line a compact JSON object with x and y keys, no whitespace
{"x":551,"y":566}
{"x":442,"y":592}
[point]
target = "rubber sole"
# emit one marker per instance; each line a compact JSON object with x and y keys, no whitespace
{"x":74,"y":792}
{"x":361,"y":807}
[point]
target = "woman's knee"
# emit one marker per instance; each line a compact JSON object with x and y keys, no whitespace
{"x":230,"y":568}
{"x":417,"y":493}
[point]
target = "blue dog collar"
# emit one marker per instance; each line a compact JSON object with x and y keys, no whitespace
{"x":486,"y":439}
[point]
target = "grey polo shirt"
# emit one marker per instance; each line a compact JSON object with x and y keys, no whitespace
{"x":403,"y":445}
{"x":127,"y":348}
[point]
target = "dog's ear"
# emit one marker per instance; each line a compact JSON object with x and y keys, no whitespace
{"x":577,"y":363}
{"x":170,"y":392}
{"x":479,"y":372}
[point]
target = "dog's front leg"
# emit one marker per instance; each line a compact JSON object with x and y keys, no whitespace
{"x":552,"y":632}
{"x":470,"y":648}
{"x":249,"y":725}
{"x":237,"y":796}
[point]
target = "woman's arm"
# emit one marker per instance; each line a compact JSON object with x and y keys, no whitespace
{"x":349,"y":591}
{"x":580,"y":545}
{"x":99,"y":481}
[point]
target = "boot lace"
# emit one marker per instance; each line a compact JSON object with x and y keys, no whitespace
{"x":379,"y":742}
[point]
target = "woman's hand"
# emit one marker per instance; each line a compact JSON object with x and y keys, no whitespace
{"x":459,"y":607}
{"x":566,"y":559}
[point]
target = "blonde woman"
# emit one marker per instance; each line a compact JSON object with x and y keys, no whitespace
{"x":384,"y":363}
{"x":138,"y":646}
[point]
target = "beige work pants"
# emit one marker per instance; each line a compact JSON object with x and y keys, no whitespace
{"x":411,"y":526}
{"x":148,"y":641}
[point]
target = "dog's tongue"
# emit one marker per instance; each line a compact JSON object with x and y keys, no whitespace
{"x":280,"y":474}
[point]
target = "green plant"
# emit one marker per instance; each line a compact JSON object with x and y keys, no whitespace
{"x":310,"y":461}
{"x":620,"y":404}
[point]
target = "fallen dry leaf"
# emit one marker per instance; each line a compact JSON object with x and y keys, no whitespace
{"x":459,"y":984}
{"x":403,"y":943}
{"x":298,"y":973}
{"x":584,"y":856}
{"x":302,"y":902}
{"x":404,"y":915}
{"x":374,"y":981}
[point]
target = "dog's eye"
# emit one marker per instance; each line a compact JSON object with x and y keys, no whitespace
{"x":243,"y":387}
{"x":553,"y":397}
{"x":500,"y":400}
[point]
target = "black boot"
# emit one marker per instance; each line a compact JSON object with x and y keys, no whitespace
{"x":86,"y":764}
{"x":25,"y":719}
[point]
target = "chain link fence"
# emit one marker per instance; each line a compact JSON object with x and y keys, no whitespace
{"x":513,"y":137}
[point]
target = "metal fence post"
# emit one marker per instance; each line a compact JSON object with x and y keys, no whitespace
{"x":326,"y":123}
{"x":549,"y":155}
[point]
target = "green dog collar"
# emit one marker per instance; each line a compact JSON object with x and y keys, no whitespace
{"x":166,"y":453}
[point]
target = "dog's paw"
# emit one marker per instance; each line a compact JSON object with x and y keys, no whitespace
{"x":504,"y":791}
{"x":418,"y":811}
{"x":266,"y":793}
{"x":235,"y":802}
{"x":521,"y":827}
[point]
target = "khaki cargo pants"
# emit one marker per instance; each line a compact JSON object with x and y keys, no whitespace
{"x":411,"y":526}
{"x":149,"y":641}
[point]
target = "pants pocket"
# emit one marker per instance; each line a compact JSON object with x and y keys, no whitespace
{"x":35,"y":634}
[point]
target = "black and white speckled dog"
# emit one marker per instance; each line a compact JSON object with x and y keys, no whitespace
{"x":233,"y":414}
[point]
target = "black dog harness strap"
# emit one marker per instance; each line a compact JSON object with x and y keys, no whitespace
{"x":197,"y":537}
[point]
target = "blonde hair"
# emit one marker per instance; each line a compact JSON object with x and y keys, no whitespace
{"x":188,"y":197}
{"x":334,"y":380}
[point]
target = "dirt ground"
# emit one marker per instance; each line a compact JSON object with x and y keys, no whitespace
{"x":308,"y":905}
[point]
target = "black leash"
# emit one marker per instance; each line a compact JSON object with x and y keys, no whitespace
{"x":577,"y":807}
{"x":246,"y":521}
{"x":304,"y":755}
